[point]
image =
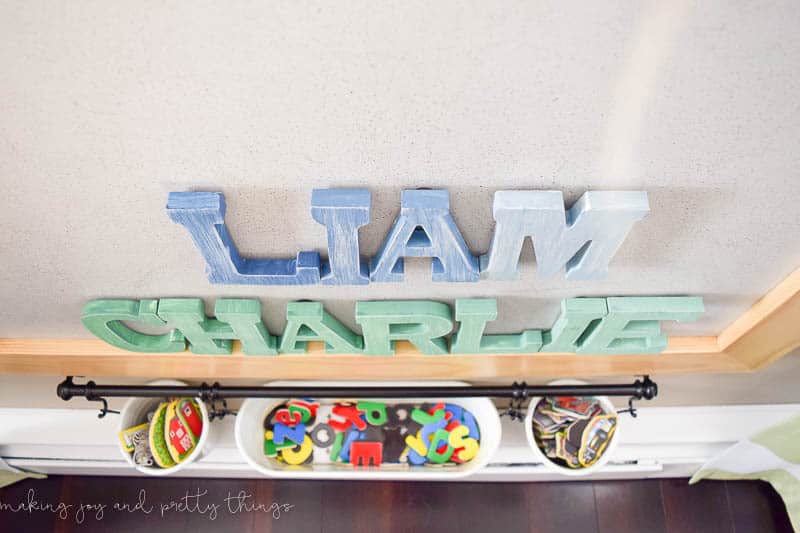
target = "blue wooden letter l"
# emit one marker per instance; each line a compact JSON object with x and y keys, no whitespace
{"x":425,"y":228}
{"x":342,"y":212}
{"x":203,"y":214}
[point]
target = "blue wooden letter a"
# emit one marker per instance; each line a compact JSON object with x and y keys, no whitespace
{"x":425,"y":228}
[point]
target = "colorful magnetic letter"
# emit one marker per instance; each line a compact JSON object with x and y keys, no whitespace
{"x":473,"y":314}
{"x":425,"y":228}
{"x":375,"y":412}
{"x":458,"y":439}
{"x":351,"y":437}
{"x":323,"y":435}
{"x":288,"y":418}
{"x":364,"y":453}
{"x":469,"y":421}
{"x":293,"y":433}
{"x":424,"y":324}
{"x":270,"y":448}
{"x":434,"y":455}
{"x":416,"y":444}
{"x":633,"y":326}
{"x":212,"y":336}
{"x":584,"y":239}
{"x":421,"y":417}
{"x":103,"y":319}
{"x":308,"y":321}
{"x":342,"y":416}
{"x":297,"y":455}
{"x":203,"y":214}
{"x":337,"y":446}
{"x":342,"y":212}
{"x":308,"y":406}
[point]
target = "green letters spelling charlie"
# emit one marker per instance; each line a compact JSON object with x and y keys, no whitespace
{"x":622,"y":325}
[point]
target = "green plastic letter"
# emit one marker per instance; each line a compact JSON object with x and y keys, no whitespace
{"x":308,"y":321}
{"x":212,"y":336}
{"x":422,"y":323}
{"x":577,"y":316}
{"x":375,"y":412}
{"x":473,"y":314}
{"x":632,"y":325}
{"x":103,"y":319}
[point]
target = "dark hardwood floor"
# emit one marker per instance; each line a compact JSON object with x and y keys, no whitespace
{"x":220,"y":505}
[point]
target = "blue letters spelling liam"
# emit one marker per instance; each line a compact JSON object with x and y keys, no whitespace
{"x":581,"y":240}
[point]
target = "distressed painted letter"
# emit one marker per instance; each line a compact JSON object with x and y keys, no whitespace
{"x":308,"y":321}
{"x":103,"y":319}
{"x":577,"y":315}
{"x":425,"y":228}
{"x":422,"y":323}
{"x":212,"y":336}
{"x":473,"y":314}
{"x":584,"y":239}
{"x":342,"y":212}
{"x":244,"y":318}
{"x":632,"y":325}
{"x":203,"y":214}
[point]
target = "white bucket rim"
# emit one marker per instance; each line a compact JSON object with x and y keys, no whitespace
{"x":199,"y":448}
{"x":546,"y":461}
{"x":490,"y":438}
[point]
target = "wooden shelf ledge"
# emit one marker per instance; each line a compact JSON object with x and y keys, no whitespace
{"x":764,"y":333}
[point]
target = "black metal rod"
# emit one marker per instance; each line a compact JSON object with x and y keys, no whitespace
{"x":640,"y":389}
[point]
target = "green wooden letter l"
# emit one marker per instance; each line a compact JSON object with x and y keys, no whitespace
{"x":473,"y":314}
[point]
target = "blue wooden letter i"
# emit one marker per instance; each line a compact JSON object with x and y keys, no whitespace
{"x":203,"y":214}
{"x":342,"y":212}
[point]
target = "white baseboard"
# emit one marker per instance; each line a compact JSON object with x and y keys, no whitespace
{"x":661,"y":442}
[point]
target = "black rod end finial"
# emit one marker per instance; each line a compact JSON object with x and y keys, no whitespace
{"x":64,"y":389}
{"x":649,"y":388}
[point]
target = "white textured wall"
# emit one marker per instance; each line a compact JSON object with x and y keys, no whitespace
{"x":107,"y":106}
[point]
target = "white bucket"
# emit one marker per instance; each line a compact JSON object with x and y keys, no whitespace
{"x":135,"y":412}
{"x":250,"y":438}
{"x":608,"y":407}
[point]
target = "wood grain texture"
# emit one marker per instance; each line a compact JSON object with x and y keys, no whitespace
{"x":629,"y":507}
{"x":769,"y":329}
{"x":405,"y":507}
{"x":702,"y":511}
{"x":95,"y":358}
{"x":755,"y":506}
{"x":545,"y":504}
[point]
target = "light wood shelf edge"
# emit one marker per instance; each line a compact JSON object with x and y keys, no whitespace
{"x":764,"y":333}
{"x":769,"y":329}
{"x":92,"y":357}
